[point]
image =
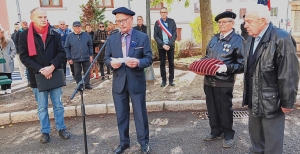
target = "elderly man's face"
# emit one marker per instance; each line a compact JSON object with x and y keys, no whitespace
{"x":124,"y":21}
{"x":24,"y":25}
{"x":225,"y":25}
{"x":39,"y":18}
{"x":254,"y":24}
{"x":62,"y":25}
{"x":163,"y":13}
{"x":77,"y":29}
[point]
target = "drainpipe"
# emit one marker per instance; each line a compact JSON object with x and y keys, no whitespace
{"x":18,"y":8}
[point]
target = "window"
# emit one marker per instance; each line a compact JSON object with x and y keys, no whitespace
{"x":106,"y":3}
{"x":51,"y":3}
{"x":242,"y":12}
{"x":197,"y":7}
{"x":178,"y":30}
{"x":157,"y":7}
{"x":274,"y":11}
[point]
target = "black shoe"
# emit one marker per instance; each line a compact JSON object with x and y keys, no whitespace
{"x":45,"y":138}
{"x":172,"y":84}
{"x":210,"y":137}
{"x":163,"y":84}
{"x":88,"y":87}
{"x":121,"y":149}
{"x":64,"y":134}
{"x":80,"y":88}
{"x":145,"y":149}
{"x":102,"y":78}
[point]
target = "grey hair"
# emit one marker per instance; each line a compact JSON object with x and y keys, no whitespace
{"x":37,"y":8}
{"x":262,"y":11}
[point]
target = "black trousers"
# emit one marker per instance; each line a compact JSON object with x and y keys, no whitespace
{"x":78,"y":67}
{"x":219,"y":107}
{"x":64,"y":66}
{"x":6,"y":86}
{"x":162,"y":58}
{"x":101,"y":68}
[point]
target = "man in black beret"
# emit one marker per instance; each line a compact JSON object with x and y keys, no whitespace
{"x":129,"y":78}
{"x":227,"y":47}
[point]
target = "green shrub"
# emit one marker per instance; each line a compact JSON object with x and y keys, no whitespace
{"x":197,"y":31}
{"x":154,"y":50}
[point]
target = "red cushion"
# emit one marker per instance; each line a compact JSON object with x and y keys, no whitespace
{"x":205,"y":66}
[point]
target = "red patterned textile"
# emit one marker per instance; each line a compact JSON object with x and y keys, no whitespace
{"x":205,"y":66}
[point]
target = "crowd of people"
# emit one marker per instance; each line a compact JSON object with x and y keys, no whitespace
{"x":265,"y":54}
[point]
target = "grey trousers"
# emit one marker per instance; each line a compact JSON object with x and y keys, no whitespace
{"x":266,"y":134}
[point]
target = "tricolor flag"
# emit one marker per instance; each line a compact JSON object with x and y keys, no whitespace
{"x":265,"y":2}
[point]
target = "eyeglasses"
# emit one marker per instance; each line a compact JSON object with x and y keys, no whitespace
{"x":124,"y":21}
{"x":101,"y":26}
{"x":163,"y":12}
{"x":223,"y":22}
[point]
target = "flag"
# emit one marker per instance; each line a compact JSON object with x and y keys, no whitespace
{"x":265,"y":2}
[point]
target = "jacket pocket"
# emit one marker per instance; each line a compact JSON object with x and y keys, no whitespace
{"x":270,"y":102}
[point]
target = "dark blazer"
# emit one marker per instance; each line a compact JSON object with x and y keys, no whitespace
{"x":159,"y":37}
{"x":272,"y":74}
{"x":52,"y":53}
{"x":134,"y":76}
{"x":142,"y":28}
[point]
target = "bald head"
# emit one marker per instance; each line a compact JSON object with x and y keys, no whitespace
{"x":39,"y":17}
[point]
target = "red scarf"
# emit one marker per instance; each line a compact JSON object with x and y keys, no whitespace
{"x":30,"y":38}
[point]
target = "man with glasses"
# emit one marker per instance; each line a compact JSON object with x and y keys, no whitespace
{"x":64,"y":32}
{"x":79,"y":50}
{"x":227,"y":47}
{"x":128,"y":52}
{"x":140,"y":26}
{"x":165,"y":35}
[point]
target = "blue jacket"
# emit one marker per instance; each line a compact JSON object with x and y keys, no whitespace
{"x":134,"y":77}
{"x":79,"y":47}
{"x":63,"y":34}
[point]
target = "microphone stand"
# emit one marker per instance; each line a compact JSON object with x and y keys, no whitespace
{"x":80,"y":88}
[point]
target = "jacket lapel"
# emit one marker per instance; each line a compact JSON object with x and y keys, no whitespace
{"x":118,"y":46}
{"x":134,"y":38}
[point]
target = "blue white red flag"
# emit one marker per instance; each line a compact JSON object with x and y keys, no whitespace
{"x":163,"y":26}
{"x":265,"y":2}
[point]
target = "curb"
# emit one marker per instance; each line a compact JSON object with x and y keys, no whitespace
{"x":97,"y":109}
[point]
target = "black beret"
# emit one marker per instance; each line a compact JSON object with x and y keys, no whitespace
{"x":226,"y":14}
{"x":123,"y":10}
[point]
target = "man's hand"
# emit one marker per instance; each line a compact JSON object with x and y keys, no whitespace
{"x":222,"y":68}
{"x":132,"y":63}
{"x":102,"y":41}
{"x":91,"y":59}
{"x":286,"y":110}
{"x":115,"y":65}
{"x":46,"y":71}
{"x":70,"y":62}
{"x":166,"y":47}
{"x":49,"y":76}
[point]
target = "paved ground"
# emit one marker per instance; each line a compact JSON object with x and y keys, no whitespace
{"x":170,"y":133}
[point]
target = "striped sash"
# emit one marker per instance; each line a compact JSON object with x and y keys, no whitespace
{"x":164,"y":27}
